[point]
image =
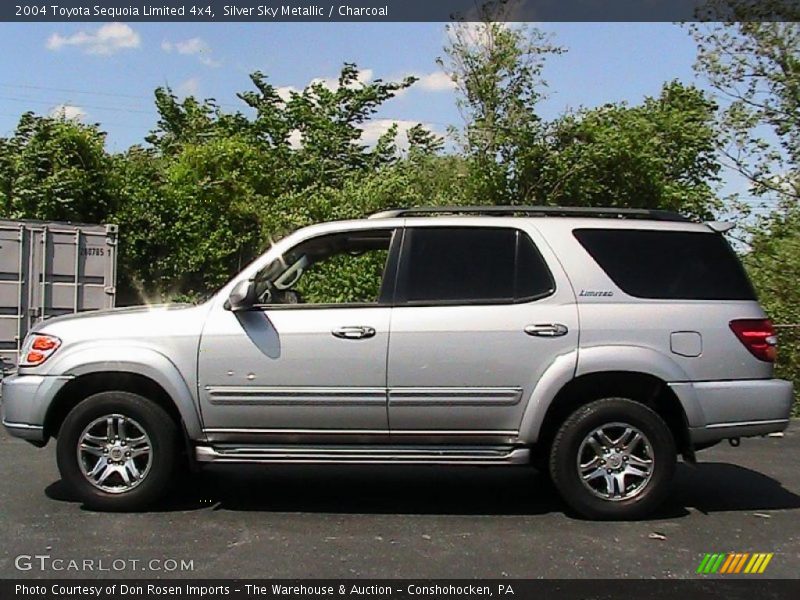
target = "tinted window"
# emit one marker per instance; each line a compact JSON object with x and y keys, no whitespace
{"x":452,"y":264}
{"x":668,"y":264}
{"x":534,"y":279}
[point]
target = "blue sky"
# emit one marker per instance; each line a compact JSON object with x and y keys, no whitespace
{"x":107,"y":72}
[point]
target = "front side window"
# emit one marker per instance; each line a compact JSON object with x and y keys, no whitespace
{"x":455,"y":265}
{"x":341,"y":268}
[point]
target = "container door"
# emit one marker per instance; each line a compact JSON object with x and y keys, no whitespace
{"x":13,"y":291}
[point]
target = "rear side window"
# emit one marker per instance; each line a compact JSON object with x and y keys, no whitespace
{"x":686,"y":265}
{"x":471,"y":265}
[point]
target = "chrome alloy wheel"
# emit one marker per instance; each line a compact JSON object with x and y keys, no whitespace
{"x":114,"y":453}
{"x":615,"y":461}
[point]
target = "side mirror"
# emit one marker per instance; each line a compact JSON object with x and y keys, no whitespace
{"x":242,"y":296}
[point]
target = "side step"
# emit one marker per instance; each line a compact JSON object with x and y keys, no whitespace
{"x":373,"y":455}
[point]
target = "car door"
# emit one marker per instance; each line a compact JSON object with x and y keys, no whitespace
{"x":479,"y":316}
{"x":310,"y":361}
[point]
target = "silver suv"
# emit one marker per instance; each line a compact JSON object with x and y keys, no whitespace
{"x":596,"y":344}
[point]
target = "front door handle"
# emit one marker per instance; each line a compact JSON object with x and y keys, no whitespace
{"x":547,"y":330}
{"x":354,"y":332}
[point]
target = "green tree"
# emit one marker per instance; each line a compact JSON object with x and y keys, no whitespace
{"x":318,"y":130}
{"x":54,"y":168}
{"x":659,"y":154}
{"x":190,"y":121}
{"x":497,"y":69}
{"x":754,"y":66}
{"x":190,"y":222}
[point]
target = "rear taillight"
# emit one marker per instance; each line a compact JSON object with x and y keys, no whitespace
{"x":758,"y":336}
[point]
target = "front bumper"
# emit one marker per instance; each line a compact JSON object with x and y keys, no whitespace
{"x":26,"y":399}
{"x":717,"y":410}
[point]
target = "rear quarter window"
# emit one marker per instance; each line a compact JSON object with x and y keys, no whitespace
{"x":686,"y":265}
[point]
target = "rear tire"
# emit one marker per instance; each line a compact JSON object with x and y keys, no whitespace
{"x":117,"y":451}
{"x":613,"y":459}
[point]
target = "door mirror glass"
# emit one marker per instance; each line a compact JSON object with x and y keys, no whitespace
{"x":242,"y":296}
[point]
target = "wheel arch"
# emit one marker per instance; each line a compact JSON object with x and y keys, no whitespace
{"x":640,"y":386}
{"x":140,"y":371}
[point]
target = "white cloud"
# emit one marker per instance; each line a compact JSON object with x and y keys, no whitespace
{"x":190,"y":87}
{"x":296,"y":139}
{"x":373,"y":130}
{"x":438,"y":81}
{"x":210,"y":62}
{"x":192,"y":47}
{"x":285,"y":92}
{"x":107,"y":39}
{"x":68,"y":111}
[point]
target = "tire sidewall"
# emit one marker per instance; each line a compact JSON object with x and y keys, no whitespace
{"x":564,"y":456}
{"x":163,"y":442}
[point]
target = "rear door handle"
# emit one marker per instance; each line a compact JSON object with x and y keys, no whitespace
{"x":354,"y":332}
{"x":547,"y":330}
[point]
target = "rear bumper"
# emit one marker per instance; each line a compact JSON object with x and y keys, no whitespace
{"x":717,"y":410}
{"x":26,"y":399}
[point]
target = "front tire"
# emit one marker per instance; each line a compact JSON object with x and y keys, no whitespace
{"x":613,"y":459}
{"x":117,"y":451}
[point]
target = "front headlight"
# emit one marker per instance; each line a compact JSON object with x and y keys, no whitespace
{"x":37,"y":349}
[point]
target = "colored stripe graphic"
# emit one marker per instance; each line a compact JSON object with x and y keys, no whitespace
{"x":753,"y":561}
{"x":741,"y":562}
{"x":734,"y":562}
{"x":727,"y":564}
{"x":718,"y":564}
{"x":764,"y":564}
{"x":703,"y":563}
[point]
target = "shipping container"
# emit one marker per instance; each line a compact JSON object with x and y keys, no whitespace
{"x":49,"y":269}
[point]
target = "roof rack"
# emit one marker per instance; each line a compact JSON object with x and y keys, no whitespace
{"x":534,"y":211}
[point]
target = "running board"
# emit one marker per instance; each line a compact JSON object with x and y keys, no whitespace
{"x":371,"y":455}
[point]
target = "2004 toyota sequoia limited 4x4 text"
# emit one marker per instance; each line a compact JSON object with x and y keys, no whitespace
{"x":597,"y":344}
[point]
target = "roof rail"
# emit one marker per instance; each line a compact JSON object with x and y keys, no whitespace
{"x":534,"y":211}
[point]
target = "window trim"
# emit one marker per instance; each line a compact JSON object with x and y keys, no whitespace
{"x":388,"y":282}
{"x":402,"y":272}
